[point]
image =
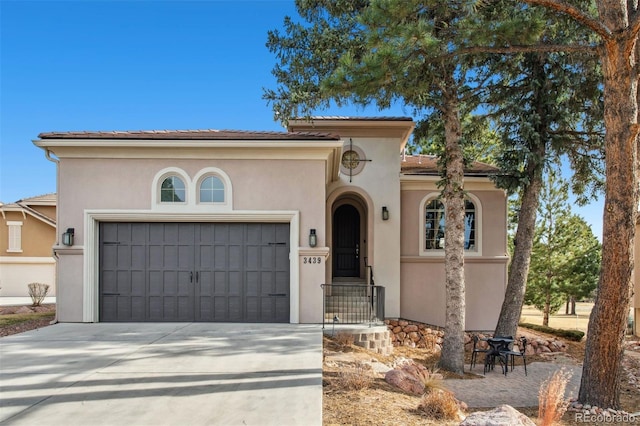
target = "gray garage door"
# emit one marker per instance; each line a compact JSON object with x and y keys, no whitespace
{"x":234,"y":272}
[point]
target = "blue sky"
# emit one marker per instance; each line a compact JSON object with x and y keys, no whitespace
{"x":130,"y":65}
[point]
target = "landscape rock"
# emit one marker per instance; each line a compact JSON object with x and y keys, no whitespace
{"x":504,"y":415}
{"x":402,"y":379}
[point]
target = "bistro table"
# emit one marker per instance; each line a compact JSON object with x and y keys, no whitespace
{"x":498,"y":348}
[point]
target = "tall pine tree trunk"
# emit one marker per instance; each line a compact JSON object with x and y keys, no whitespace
{"x":601,"y":370}
{"x":547,"y":308}
{"x":523,"y":244}
{"x":452,"y":355}
{"x":572,"y":310}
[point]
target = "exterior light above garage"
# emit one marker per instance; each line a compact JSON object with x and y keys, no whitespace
{"x":67,"y":237}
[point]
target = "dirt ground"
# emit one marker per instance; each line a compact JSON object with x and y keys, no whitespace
{"x":18,"y":319}
{"x":381,"y":404}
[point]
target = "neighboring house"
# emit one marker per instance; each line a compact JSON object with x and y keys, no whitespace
{"x":246,"y":226}
{"x":27,"y":233}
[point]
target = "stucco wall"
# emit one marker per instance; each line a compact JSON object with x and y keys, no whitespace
{"x":423,"y":277}
{"x":34,"y":263}
{"x":126,"y":184}
{"x":17,"y":272}
{"x":378,"y":185}
{"x":37,"y":237}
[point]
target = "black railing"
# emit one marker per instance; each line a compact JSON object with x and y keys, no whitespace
{"x":352,"y":304}
{"x":370,"y":271}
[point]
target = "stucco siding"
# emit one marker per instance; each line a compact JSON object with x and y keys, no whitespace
{"x":37,"y":237}
{"x":378,"y":185}
{"x":423,"y":276}
{"x":127,"y":185}
{"x":17,"y":272}
{"x":34,"y":262}
{"x":424,"y":293}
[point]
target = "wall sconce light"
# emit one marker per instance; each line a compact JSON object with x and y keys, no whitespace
{"x":67,"y":237}
{"x":385,"y":213}
{"x":313,"y":238}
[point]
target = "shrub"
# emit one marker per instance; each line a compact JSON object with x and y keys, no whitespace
{"x":358,"y":377}
{"x":551,"y":401}
{"x":345,"y":339}
{"x":439,"y":404}
{"x":431,"y":379}
{"x":37,"y":292}
{"x":575,"y":335}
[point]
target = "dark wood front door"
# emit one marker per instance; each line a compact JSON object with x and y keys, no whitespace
{"x":346,"y":242}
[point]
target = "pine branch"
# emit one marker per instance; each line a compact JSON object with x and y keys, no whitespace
{"x":576,"y":14}
{"x":514,"y":49}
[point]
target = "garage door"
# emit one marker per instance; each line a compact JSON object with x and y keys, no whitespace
{"x":233,"y":272}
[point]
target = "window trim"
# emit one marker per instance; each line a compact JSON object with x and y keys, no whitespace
{"x":192,"y":189}
{"x":226,"y":182}
{"x":156,"y":188}
{"x":440,"y":252}
{"x":213,"y":192}
{"x":175,"y":191}
{"x":14,"y":236}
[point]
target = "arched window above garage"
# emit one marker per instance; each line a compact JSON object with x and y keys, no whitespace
{"x":173,"y":190}
{"x":211,"y":190}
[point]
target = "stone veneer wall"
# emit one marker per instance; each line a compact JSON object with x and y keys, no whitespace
{"x":418,"y":335}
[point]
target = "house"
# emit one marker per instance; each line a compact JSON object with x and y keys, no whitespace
{"x":27,"y":233}
{"x":218,"y":225}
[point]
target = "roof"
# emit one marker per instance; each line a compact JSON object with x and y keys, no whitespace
{"x":25,"y":204}
{"x":428,"y":165}
{"x":208,"y":134}
{"x":46,"y":199}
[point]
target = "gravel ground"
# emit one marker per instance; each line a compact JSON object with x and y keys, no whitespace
{"x":30,"y":324}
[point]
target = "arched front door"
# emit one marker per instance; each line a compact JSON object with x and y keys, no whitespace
{"x":346,"y":242}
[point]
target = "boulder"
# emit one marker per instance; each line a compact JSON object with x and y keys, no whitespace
{"x":402,"y":379}
{"x":504,"y":415}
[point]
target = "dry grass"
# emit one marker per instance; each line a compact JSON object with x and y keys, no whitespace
{"x":438,"y":404}
{"x":431,"y":379}
{"x":580,"y":321}
{"x":551,"y":401}
{"x":344,"y":339}
{"x":355,"y":378}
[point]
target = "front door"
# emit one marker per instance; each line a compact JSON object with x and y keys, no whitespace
{"x":346,"y":242}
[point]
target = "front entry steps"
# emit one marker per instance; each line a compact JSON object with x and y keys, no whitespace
{"x":376,"y":338}
{"x":348,"y":301}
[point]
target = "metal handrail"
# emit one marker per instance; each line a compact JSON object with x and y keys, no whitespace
{"x":370,"y":271}
{"x":352,"y":303}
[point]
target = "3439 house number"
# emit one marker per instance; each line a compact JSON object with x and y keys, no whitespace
{"x":309,"y":260}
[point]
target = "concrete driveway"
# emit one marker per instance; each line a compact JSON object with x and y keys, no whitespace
{"x":162,"y":374}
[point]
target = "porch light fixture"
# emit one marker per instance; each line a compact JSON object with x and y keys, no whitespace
{"x":385,"y":213}
{"x":313,"y":238}
{"x":67,"y":237}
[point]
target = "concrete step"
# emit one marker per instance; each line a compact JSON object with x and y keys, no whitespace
{"x":346,"y":291}
{"x":347,"y":318}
